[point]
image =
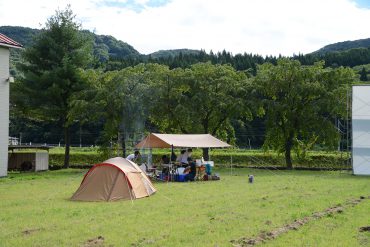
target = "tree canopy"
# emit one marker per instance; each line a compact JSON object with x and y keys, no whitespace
{"x":201,"y":99}
{"x":363,"y":74}
{"x":52,"y":72}
{"x":299,"y":103}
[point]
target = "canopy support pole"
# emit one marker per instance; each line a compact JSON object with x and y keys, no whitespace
{"x":171,"y":153}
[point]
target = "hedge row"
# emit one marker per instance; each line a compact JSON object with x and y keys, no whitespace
{"x":254,"y":159}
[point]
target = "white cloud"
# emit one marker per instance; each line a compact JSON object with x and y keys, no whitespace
{"x":252,"y":26}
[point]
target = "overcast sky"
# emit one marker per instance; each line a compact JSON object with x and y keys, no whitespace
{"x":265,"y":27}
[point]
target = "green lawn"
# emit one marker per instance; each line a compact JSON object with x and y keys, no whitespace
{"x":35,"y":211}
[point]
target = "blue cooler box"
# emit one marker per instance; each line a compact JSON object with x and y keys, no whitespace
{"x":163,"y":176}
{"x":180,"y":177}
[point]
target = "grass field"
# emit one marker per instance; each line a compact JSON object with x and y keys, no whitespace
{"x":35,"y":211}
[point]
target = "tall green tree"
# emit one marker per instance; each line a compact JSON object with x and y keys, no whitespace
{"x":299,"y":103}
{"x":164,"y":97}
{"x":201,"y":99}
{"x":118,"y":98}
{"x":123,"y":106}
{"x":363,"y":74}
{"x":52,"y":72}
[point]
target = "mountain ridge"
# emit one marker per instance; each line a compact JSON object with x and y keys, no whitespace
{"x":105,"y":46}
{"x":344,"y":45}
{"x":113,"y":54}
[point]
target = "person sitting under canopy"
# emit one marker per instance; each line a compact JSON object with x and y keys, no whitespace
{"x":183,"y":158}
{"x":190,"y":171}
{"x":165,"y":159}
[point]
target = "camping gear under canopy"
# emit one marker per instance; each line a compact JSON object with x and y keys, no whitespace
{"x":181,"y":140}
{"x":112,"y":180}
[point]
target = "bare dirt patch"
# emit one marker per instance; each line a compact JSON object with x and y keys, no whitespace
{"x":268,"y":222}
{"x":143,"y":242}
{"x":264,"y":236}
{"x":30,"y":231}
{"x":365,"y":229}
{"x":94,"y":242}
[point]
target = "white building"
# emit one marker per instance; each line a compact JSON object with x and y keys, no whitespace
{"x":5,"y":44}
{"x":361,"y":129}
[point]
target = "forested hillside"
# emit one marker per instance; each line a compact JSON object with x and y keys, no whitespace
{"x":112,"y":54}
{"x":173,"y":53}
{"x":247,"y":61}
{"x":345,"y":45}
{"x":105,"y":47}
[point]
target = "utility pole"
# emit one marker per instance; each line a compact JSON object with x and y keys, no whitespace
{"x":80,"y":137}
{"x":349,"y":146}
{"x":339,"y":131}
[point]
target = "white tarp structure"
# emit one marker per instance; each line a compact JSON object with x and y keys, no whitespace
{"x":361,"y":129}
{"x":181,"y":140}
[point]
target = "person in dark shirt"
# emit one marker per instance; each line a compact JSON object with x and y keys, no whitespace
{"x":165,"y":159}
{"x":192,"y":169}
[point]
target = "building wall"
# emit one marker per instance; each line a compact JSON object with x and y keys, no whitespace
{"x":4,"y":110}
{"x":361,"y":129}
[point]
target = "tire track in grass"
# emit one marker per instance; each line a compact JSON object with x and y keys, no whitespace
{"x":264,"y":236}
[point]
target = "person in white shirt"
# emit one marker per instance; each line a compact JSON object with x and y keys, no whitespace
{"x":179,"y":158}
{"x":133,"y":157}
{"x":185,"y":157}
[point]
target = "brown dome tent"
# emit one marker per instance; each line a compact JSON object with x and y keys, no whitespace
{"x":112,"y":180}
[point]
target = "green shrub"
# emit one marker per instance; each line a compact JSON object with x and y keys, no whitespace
{"x":222,"y":158}
{"x":77,"y":160}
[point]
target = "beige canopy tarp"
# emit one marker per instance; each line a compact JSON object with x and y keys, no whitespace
{"x":181,"y":140}
{"x":112,"y":180}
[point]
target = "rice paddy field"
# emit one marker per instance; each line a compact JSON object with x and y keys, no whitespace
{"x":281,"y":208}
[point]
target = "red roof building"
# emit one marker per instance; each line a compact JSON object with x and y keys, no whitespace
{"x":8,"y":42}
